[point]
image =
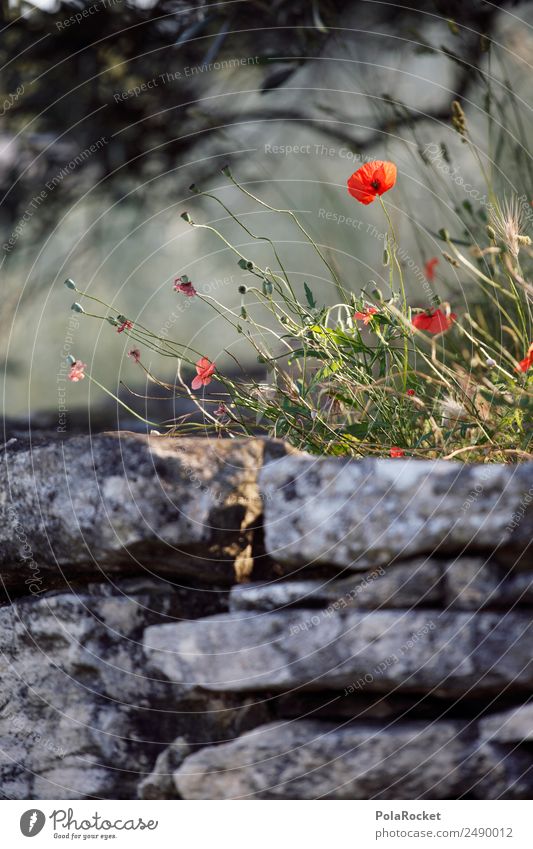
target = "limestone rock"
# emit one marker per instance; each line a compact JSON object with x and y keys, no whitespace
{"x":129,"y":503}
{"x":160,"y":783}
{"x":362,"y":513}
{"x":513,"y":726}
{"x":404,"y":585}
{"x":400,"y":598}
{"x":473,"y":584}
{"x":313,"y":760}
{"x":79,"y":712}
{"x":448,"y":653}
{"x":461,"y":583}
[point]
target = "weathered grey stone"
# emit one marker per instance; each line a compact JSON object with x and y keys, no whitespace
{"x":404,"y":585}
{"x":447,"y":653}
{"x":107,"y":687}
{"x":463,"y":583}
{"x":513,"y":726}
{"x":160,"y":783}
{"x":505,"y":773}
{"x":278,"y":594}
{"x":129,"y":502}
{"x":79,"y":712}
{"x":313,"y":760}
{"x":362,"y":513}
{"x":473,"y":584}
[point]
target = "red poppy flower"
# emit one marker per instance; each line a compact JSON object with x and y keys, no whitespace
{"x":434,"y":321}
{"x":373,"y":179}
{"x":366,"y":315}
{"x":429,"y":268}
{"x":77,"y":370}
{"x":126,"y":325}
{"x":205,"y":369}
{"x":527,"y":362}
{"x":221,"y":411}
{"x":410,"y":392}
{"x":397,"y":452}
{"x":135,"y":355}
{"x":184,"y":285}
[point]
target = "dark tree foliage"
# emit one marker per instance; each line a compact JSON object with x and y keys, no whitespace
{"x":63,"y":76}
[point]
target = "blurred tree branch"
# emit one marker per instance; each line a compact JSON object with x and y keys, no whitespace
{"x":69,"y":75}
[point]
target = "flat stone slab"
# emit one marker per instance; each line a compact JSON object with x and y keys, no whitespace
{"x":471,"y":583}
{"x":362,"y":513}
{"x":513,"y":726}
{"x":130,"y":503}
{"x":313,"y":760}
{"x":463,"y":583}
{"x":415,"y":583}
{"x":443,"y":653}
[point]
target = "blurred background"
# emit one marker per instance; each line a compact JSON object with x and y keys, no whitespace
{"x":110,"y":110}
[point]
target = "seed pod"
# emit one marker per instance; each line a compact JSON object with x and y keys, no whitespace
{"x":458,"y":118}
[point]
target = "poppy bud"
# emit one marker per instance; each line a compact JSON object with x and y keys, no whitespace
{"x":226,"y":171}
{"x":71,"y":360}
{"x":245,"y":264}
{"x":70,"y":283}
{"x":242,"y":290}
{"x":194,"y":189}
{"x":186,"y":217}
{"x":77,"y":307}
{"x":386,"y":257}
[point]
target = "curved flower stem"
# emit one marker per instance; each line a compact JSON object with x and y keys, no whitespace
{"x":257,"y":238}
{"x":405,"y":370}
{"x":235,"y":250}
{"x":302,"y":229}
{"x":119,"y":401}
{"x":143,"y":334}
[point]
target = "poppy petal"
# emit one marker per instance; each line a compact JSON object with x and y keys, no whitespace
{"x":202,"y":364}
{"x":359,"y":190}
{"x":435,"y":322}
{"x":387,"y":176}
{"x":372,"y":179}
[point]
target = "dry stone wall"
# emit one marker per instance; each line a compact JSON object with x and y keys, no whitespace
{"x":209,"y":618}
